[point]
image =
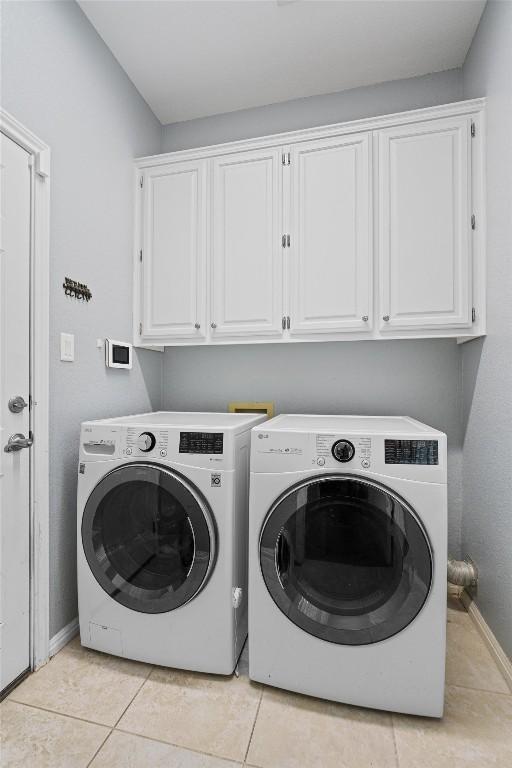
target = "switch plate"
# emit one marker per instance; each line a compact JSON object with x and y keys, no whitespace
{"x":67,"y":347}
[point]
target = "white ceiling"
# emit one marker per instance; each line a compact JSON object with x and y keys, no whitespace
{"x":194,"y":58}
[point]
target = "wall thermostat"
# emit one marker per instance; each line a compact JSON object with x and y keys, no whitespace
{"x":118,"y":354}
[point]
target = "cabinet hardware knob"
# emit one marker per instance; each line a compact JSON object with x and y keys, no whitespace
{"x":213,"y":325}
{"x":197,"y":326}
{"x":364,"y":318}
{"x":385,"y":318}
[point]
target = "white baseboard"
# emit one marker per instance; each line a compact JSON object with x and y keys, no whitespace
{"x":500,"y":657}
{"x":63,"y":637}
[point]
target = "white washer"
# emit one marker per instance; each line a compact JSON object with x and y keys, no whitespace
{"x":162,"y":537}
{"x":347,"y":560}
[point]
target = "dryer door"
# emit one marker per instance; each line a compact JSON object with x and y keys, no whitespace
{"x":346,"y":559}
{"x":148,"y":537}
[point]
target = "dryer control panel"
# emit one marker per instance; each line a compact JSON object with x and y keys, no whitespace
{"x":359,"y":453}
{"x":332,"y":450}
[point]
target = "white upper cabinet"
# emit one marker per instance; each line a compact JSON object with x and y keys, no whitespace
{"x":366,"y":230}
{"x":246,"y":262}
{"x":330,"y":225}
{"x":424,"y":225}
{"x":173,"y":281}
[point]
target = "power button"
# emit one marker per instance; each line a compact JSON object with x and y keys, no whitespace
{"x":365,"y":463}
{"x":320,"y":461}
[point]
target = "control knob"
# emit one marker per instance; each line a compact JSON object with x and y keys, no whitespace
{"x":343,"y":450}
{"x":146,"y":442}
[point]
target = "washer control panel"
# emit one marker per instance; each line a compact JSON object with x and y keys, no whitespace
{"x":201,"y":442}
{"x":146,"y":441}
{"x":142,"y":442}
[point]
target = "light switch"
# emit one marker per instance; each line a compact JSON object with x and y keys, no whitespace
{"x":67,"y":347}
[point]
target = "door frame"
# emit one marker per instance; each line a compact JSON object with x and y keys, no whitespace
{"x":39,"y":382}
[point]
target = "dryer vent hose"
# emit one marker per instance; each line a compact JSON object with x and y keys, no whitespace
{"x":463,"y":573}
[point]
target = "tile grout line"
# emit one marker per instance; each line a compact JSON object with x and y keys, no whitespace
{"x":77,"y":717}
{"x":478,"y":690}
{"x":139,"y":689}
{"x":178,"y":746}
{"x":109,"y":734}
{"x":253,"y":725}
{"x":61,"y":714}
{"x":395,"y":743}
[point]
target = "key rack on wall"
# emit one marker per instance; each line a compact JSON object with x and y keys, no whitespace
{"x":76,"y":290}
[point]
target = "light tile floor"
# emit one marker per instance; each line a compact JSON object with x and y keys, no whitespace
{"x":88,"y":709}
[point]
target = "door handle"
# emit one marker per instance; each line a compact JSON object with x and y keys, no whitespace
{"x":17,"y":442}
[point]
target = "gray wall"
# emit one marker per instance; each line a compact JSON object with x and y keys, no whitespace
{"x":369,"y":101}
{"x":62,"y":82}
{"x":418,"y":378}
{"x":414,"y":378}
{"x":487,"y":364}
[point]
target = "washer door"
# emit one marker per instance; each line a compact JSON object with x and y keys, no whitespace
{"x":148,"y":537}
{"x":345,"y":559}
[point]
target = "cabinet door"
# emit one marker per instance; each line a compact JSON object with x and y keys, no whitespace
{"x":330,"y":255}
{"x":174,"y":252}
{"x":246,"y":237}
{"x":424,"y":225}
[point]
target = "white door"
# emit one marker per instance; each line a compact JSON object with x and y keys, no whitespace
{"x":247,"y":262}
{"x":174,"y":252}
{"x":15,"y":416}
{"x":330,"y":254}
{"x":424,"y":230}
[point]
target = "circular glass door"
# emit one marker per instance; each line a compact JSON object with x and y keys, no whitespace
{"x":346,"y":560}
{"x":148,"y":537}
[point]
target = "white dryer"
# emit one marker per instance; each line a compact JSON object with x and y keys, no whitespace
{"x":162,"y":537}
{"x":347,"y":560}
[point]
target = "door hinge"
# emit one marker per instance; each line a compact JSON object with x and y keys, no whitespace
{"x":140,"y":255}
{"x":140,"y":329}
{"x":473,"y":314}
{"x":286,"y":158}
{"x":473,"y":130}
{"x":141,"y":182}
{"x":237,"y":595}
{"x":473,"y":221}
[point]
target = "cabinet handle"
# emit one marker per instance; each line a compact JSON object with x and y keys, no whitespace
{"x":364,"y":318}
{"x":197,"y":326}
{"x":283,"y":323}
{"x":213,"y":325}
{"x":288,"y":322}
{"x":385,"y":318}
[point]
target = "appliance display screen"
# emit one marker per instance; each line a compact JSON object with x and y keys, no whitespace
{"x":120,"y":354}
{"x":201,"y":442}
{"x":411,"y":452}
